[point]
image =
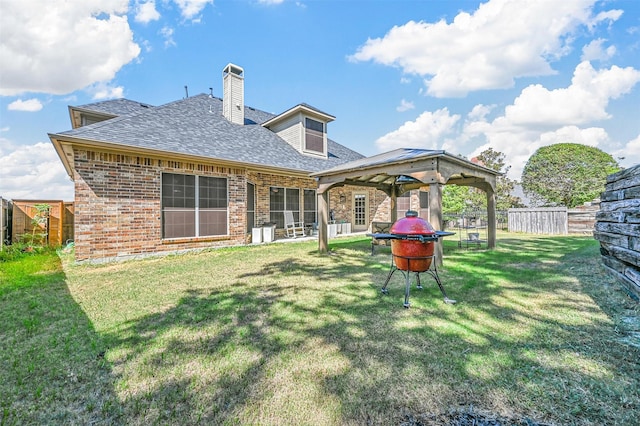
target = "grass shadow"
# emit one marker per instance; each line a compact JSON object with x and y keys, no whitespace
{"x":53,"y":368}
{"x":267,"y":335}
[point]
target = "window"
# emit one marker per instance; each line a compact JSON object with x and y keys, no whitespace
{"x":314,"y":136}
{"x":281,"y":199}
{"x":310,"y":215}
{"x":85,"y":119}
{"x":251,"y":206}
{"x":424,"y":205}
{"x":404,"y":204}
{"x":193,"y":206}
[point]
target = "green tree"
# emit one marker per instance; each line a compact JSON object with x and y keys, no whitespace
{"x":567,"y":174}
{"x":460,"y":199}
{"x":453,"y":199}
{"x":504,"y":186}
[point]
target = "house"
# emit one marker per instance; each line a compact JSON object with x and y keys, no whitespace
{"x":199,"y":172}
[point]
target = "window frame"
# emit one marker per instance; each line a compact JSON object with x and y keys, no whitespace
{"x":198,"y":211}
{"x":313,"y":211}
{"x":311,"y":133}
{"x":402,"y":201}
{"x":251,"y":206}
{"x":276,"y":215}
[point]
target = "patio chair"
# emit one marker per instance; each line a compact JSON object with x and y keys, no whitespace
{"x":380,"y":228}
{"x":291,"y":227}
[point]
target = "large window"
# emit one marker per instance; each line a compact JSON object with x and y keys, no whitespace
{"x":310,"y":215}
{"x":314,"y":136}
{"x":281,"y":199}
{"x":193,"y":206}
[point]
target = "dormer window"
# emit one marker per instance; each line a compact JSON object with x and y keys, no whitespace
{"x":304,"y":128}
{"x":86,"y":119}
{"x":314,"y":136}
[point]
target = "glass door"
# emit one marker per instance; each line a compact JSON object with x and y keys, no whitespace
{"x":360,"y":211}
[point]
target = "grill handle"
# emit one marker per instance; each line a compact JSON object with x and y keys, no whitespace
{"x":411,"y":237}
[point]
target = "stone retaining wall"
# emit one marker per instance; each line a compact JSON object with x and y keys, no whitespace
{"x":618,"y":228}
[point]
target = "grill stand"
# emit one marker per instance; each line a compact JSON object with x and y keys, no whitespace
{"x":433,"y":271}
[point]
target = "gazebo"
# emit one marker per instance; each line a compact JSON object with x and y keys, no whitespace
{"x":401,"y":170}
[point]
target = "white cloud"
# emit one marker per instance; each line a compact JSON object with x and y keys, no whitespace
{"x":500,"y":41}
{"x":629,"y":155}
{"x":270,"y":2}
{"x":425,"y":132}
{"x":537,"y":117}
{"x":61,"y":46}
{"x":479,"y":112}
{"x":585,"y":100}
{"x":190,"y":8}
{"x":33,"y":172}
{"x":30,"y":105}
{"x":608,"y":15}
{"x":167,"y":34}
{"x":146,"y":12}
{"x":595,"y":51}
{"x":405,"y":106}
{"x":102,"y":91}
{"x":541,"y":117}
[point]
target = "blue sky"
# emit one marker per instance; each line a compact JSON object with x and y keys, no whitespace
{"x":455,"y":75}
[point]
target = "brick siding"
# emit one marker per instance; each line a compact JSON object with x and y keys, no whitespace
{"x":118,"y":210}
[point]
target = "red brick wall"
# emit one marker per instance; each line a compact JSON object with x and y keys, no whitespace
{"x":118,"y":211}
{"x":117,"y":205}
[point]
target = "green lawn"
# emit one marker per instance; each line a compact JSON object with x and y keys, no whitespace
{"x":279,"y":334}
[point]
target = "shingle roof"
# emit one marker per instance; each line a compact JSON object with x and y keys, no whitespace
{"x":196,"y":126}
{"x":116,"y":106}
{"x":401,"y":155}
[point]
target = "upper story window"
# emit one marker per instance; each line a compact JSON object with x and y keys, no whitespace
{"x":314,"y":136}
{"x":86,"y":119}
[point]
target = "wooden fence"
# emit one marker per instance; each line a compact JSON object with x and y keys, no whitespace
{"x":5,"y":228}
{"x":554,"y":220}
{"x":58,"y":227}
{"x":618,"y":228}
{"x":542,"y":220}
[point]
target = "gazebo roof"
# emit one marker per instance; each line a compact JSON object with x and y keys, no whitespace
{"x":409,"y":167}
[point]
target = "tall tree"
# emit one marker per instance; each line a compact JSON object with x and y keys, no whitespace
{"x":504,"y":186}
{"x":460,"y":199}
{"x":567,"y":174}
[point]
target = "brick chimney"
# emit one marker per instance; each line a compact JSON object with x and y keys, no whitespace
{"x":233,"y":93}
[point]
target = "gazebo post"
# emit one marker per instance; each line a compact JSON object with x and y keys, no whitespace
{"x":491,"y":216}
{"x":394,"y":204}
{"x":435,"y":217}
{"x":323,"y":220}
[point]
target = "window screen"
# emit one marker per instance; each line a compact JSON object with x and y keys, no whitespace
{"x":310,"y":215}
{"x":281,"y":199}
{"x":193,"y":206}
{"x":314,"y":136}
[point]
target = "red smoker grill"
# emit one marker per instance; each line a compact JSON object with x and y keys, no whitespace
{"x":412,"y":245}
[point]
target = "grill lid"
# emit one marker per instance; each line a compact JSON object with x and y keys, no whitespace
{"x":411,"y":224}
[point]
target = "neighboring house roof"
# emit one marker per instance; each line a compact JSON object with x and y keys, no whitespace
{"x":196,"y":127}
